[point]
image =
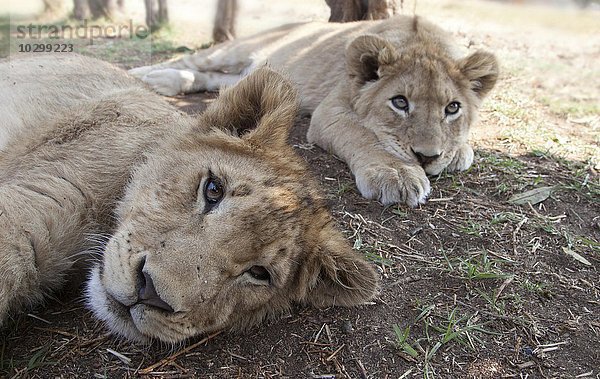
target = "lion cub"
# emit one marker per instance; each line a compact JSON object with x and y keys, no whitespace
{"x":391,"y":98}
{"x":195,"y":224}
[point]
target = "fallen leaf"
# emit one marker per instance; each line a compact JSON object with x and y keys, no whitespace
{"x":576,"y":256}
{"x":534,"y":196}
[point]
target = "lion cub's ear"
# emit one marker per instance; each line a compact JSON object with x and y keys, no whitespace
{"x":261,"y":108}
{"x":336,"y":274}
{"x":481,"y":68}
{"x":366,"y":55}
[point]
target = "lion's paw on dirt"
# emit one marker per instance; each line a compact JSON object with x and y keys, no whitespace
{"x":390,"y":185}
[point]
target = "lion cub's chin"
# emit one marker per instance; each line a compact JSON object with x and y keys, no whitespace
{"x":138,"y":323}
{"x":459,"y":160}
{"x":115,"y":315}
{"x":436,"y":167}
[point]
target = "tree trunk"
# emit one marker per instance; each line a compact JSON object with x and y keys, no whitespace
{"x":104,"y":8}
{"x":53,"y":7}
{"x":81,"y":10}
{"x":356,"y":10}
{"x":224,"y":25}
{"x":157,"y":13}
{"x":381,"y":9}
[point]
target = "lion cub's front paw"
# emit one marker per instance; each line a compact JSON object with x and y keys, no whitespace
{"x":389,"y":185}
{"x":463,"y":159}
{"x":169,"y":81}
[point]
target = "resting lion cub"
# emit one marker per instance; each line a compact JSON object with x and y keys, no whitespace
{"x":390,"y":98}
{"x":195,"y":224}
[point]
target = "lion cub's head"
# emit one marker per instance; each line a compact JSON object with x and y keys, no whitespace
{"x":223,"y":227}
{"x":418,"y":100}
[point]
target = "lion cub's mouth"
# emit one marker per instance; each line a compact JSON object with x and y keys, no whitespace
{"x":433,"y":166}
{"x":130,"y":321}
{"x":106,"y":308}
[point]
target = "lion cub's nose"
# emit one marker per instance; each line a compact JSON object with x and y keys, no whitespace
{"x":147,"y":294}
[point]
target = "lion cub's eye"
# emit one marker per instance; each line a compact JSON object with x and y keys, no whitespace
{"x":260,"y":274}
{"x":400,"y":103}
{"x":213,"y":191}
{"x":452,"y":108}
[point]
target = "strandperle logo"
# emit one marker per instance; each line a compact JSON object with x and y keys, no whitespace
{"x":82,"y":31}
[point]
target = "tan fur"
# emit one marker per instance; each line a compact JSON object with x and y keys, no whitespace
{"x":94,"y":165}
{"x":346,"y":75}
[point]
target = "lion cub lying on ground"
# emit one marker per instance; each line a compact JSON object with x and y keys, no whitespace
{"x":389,"y":97}
{"x":211,"y":222}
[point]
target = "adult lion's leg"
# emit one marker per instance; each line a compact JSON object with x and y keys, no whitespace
{"x":379,"y":175}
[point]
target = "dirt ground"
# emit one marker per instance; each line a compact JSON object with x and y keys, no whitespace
{"x":474,"y":285}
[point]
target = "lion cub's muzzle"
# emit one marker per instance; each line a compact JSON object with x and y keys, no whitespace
{"x":147,"y":294}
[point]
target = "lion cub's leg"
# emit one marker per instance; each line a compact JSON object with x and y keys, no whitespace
{"x":170,"y":81}
{"x":379,"y":175}
{"x":30,"y":265}
{"x":228,"y":57}
{"x":19,"y":284}
{"x":44,"y":221}
{"x":205,"y":70}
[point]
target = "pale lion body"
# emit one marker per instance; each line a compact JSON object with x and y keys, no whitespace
{"x":347,"y":75}
{"x":94,"y":165}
